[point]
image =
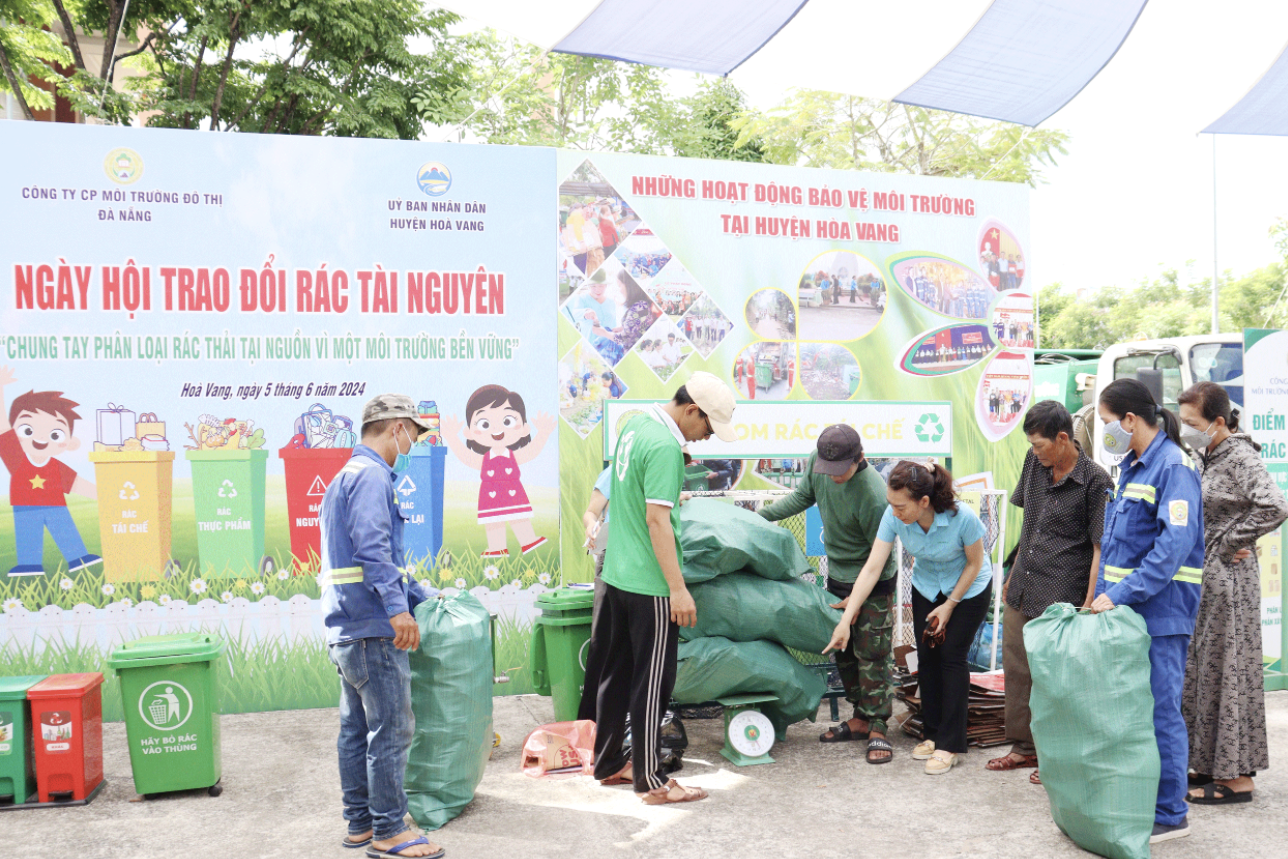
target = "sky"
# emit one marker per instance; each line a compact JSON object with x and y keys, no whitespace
{"x":1134,"y":194}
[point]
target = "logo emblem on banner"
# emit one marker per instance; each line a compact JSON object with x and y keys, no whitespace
{"x":123,"y":166}
{"x":929,"y":428}
{"x":434,"y":178}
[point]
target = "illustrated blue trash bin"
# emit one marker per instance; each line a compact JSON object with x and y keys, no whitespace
{"x":420,"y":495}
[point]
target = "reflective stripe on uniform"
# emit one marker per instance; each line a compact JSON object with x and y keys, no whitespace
{"x":342,"y":576}
{"x":353,"y":466}
{"x":1190,"y":575}
{"x":1117,"y":574}
{"x":1143,"y":491}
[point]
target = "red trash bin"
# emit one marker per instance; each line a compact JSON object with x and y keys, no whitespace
{"x":309,"y":471}
{"x":67,"y":724}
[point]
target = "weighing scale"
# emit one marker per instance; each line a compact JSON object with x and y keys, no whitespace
{"x":749,"y":735}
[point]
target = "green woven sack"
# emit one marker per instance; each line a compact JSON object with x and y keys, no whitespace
{"x":712,"y":668}
{"x":720,"y":538}
{"x":451,"y":698}
{"x":745,"y":607}
{"x":1093,"y":724}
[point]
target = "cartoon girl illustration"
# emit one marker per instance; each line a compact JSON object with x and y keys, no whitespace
{"x":498,"y":441}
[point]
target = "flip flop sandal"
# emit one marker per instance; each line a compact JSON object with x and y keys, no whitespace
{"x":1007,"y":762}
{"x":1219,"y":794}
{"x":1034,"y":778}
{"x":354,"y":845}
{"x":876,"y":744}
{"x":396,"y":852}
{"x":626,"y":776}
{"x":841,"y":733}
{"x":1198,"y":779}
{"x":688,"y":794}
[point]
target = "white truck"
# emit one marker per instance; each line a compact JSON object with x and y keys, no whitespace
{"x":1167,"y":367}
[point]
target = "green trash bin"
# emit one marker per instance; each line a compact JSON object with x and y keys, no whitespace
{"x":560,"y":639}
{"x":170,"y":688}
{"x":228,"y":495}
{"x":17,"y":773}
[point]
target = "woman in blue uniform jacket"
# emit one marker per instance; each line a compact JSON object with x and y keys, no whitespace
{"x":1152,"y":560}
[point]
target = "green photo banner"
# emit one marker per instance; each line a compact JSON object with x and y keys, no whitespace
{"x":819,"y":296}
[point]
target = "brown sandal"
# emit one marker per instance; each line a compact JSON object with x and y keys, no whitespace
{"x":1034,"y":778}
{"x":626,"y":776}
{"x":668,"y":795}
{"x":1008,"y":762}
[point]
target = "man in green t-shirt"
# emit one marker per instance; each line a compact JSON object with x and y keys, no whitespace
{"x":851,"y":499}
{"x":633,"y":643}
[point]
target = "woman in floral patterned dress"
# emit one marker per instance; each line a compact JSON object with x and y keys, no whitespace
{"x":1224,"y":702}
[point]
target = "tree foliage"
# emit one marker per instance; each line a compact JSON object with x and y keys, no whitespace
{"x":814,"y":128}
{"x":363,"y":68}
{"x":1159,"y":308}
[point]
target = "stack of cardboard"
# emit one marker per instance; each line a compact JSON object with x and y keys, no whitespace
{"x":985,"y":725}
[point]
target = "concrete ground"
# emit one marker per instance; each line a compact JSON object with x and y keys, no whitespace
{"x":282,"y":799}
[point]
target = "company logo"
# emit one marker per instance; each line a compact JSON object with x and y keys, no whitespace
{"x":624,"y":454}
{"x":434,"y":178}
{"x":165,"y":705}
{"x":123,"y":166}
{"x":928,"y":428}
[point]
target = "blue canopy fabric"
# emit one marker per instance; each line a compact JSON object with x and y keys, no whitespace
{"x":711,"y":36}
{"x":1026,"y":59}
{"x":1264,"y":110}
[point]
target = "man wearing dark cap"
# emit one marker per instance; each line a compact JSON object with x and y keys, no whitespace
{"x":367,"y":604}
{"x":851,"y":498}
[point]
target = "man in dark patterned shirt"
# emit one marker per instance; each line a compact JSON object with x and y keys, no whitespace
{"x":1063,"y":495}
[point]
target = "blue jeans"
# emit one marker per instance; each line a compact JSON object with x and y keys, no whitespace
{"x":376,"y":726}
{"x":29,"y":524}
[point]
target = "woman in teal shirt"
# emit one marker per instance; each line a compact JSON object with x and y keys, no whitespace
{"x":950,"y":595}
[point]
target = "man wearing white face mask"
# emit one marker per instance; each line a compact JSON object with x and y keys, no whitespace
{"x":367,"y":603}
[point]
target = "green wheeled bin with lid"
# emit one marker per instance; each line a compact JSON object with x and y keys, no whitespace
{"x":17,"y":770}
{"x":560,"y":641}
{"x":170,"y":687}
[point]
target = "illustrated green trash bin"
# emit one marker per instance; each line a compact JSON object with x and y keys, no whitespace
{"x":560,"y":640}
{"x":17,"y":772}
{"x":170,"y":688}
{"x":228,"y":496}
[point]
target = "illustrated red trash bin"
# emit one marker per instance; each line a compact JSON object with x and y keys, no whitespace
{"x":67,"y":724}
{"x":309,"y":471}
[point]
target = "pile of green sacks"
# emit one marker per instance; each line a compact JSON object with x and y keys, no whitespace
{"x":744,"y":575}
{"x":451,"y":699}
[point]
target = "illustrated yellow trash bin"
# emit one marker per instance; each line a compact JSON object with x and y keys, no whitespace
{"x":134,"y":504}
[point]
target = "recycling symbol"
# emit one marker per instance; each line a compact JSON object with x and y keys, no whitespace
{"x":129,"y":492}
{"x":227,"y":490}
{"x":928,"y":428}
{"x":407,"y":486}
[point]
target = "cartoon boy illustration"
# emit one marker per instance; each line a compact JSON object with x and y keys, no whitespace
{"x":498,"y":441}
{"x":38,"y":427}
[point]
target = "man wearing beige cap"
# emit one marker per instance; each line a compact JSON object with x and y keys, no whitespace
{"x":367,"y":605}
{"x":633,"y":646}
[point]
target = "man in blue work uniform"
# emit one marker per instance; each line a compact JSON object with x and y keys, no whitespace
{"x":1152,"y":560}
{"x":368,"y":602}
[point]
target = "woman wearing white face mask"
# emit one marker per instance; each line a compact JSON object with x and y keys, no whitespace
{"x":1224,"y":701}
{"x":1151,"y":558}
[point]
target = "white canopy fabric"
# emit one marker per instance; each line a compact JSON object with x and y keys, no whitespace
{"x":1264,"y":110}
{"x":914,"y":49}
